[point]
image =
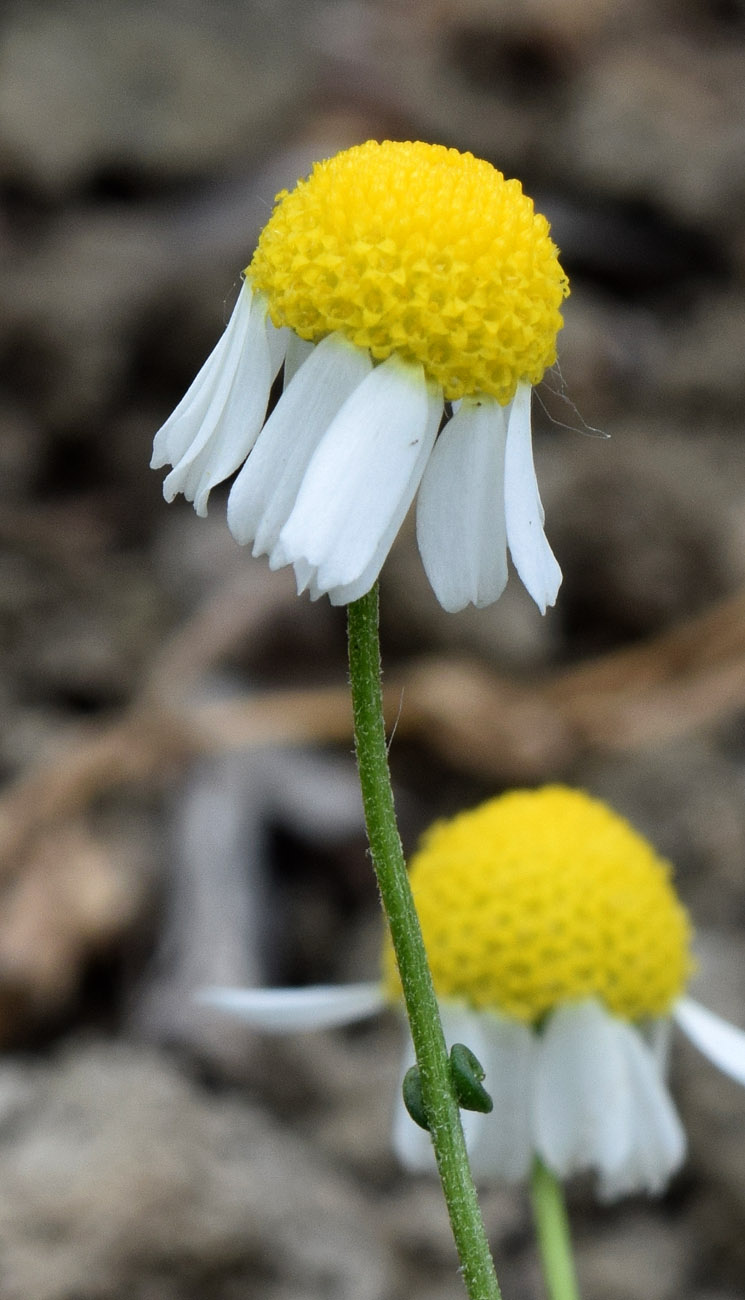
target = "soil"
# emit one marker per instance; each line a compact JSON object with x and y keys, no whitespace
{"x":179,"y":803}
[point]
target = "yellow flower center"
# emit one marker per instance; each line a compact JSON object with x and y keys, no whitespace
{"x":419,"y":250}
{"x":543,"y":897}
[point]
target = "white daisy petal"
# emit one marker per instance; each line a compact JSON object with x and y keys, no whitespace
{"x":657,"y":1034}
{"x":265,"y":490}
{"x":363,"y":475}
{"x":582,"y":1105}
{"x":298,"y":351}
{"x":304,"y":572}
{"x":172,"y":440}
{"x":245,"y":408}
{"x":507,"y":1051}
{"x":290,"y":1010}
{"x":412,"y":1145}
{"x":600,"y":1103}
{"x":175,"y":437}
{"x":278,"y":341}
{"x":658,"y":1142}
{"x":499,"y":1143}
{"x":343,"y":595}
{"x":235,"y":412}
{"x":460,"y":509}
{"x":531,"y":553}
{"x":461,"y":1025}
{"x":723,"y":1043}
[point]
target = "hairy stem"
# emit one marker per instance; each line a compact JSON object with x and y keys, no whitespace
{"x":438,"y":1098}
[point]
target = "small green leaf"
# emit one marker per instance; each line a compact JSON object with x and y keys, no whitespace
{"x":467,"y":1072}
{"x":412,"y":1090}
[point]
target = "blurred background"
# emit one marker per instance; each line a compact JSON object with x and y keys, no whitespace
{"x":179,"y":803}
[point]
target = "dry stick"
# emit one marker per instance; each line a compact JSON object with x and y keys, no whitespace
{"x":690,"y":676}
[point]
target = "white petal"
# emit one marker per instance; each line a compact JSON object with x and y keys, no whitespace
{"x":319,"y":1006}
{"x":461,"y":1025}
{"x":279,"y":340}
{"x":235,"y":414}
{"x":658,"y":1034}
{"x":411,"y":1144}
{"x":531,"y":553}
{"x":499,"y":1144}
{"x":345,"y":594}
{"x":601,"y":1104}
{"x":298,"y":351}
{"x":723,"y":1043}
{"x":265,"y":491}
{"x":363,"y":475}
{"x":658,"y":1141}
{"x":507,"y":1050}
{"x":460,"y":509}
{"x":175,"y":437}
{"x":245,"y":409}
{"x":581,"y":1103}
{"x":306,"y":574}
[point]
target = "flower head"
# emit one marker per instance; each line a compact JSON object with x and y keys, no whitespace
{"x":421,"y":251}
{"x":398,"y":277}
{"x":537,"y":899}
{"x":560,"y":954}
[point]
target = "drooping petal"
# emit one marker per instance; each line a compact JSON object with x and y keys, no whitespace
{"x":363,"y":475}
{"x":461,"y":1025}
{"x":304,"y":572}
{"x":531,"y":553}
{"x":245,"y":408}
{"x":582,"y":1106}
{"x":460,"y":509}
{"x":180,"y":430}
{"x":412,"y":1145}
{"x":499,"y":1143}
{"x":723,"y":1043}
{"x":278,"y":339}
{"x":507,"y":1051}
{"x":319,"y":1006}
{"x":600,"y":1103}
{"x":298,"y":351}
{"x":265,"y":490}
{"x":235,"y":414}
{"x":658,"y":1142}
{"x":350,"y":591}
{"x":658,"y":1034}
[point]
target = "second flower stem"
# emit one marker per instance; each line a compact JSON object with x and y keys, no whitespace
{"x":438,"y":1097}
{"x":552,"y":1227}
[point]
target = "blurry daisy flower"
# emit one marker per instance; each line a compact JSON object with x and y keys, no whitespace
{"x":560,"y":954}
{"x":400,"y":283}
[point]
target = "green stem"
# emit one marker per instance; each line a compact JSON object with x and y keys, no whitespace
{"x":554,"y":1241}
{"x":421,"y":1004}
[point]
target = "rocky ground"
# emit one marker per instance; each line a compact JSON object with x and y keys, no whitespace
{"x":180,"y":805}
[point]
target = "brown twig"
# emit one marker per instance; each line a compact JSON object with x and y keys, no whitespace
{"x":691,"y":676}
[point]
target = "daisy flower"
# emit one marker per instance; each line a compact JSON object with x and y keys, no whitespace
{"x":560,"y":955}
{"x":412,"y":295}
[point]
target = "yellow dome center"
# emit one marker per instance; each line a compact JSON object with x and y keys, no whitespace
{"x":543,"y":897}
{"x":419,"y":250}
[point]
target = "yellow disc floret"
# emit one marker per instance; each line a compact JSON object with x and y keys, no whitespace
{"x":422,"y":251}
{"x":539,"y":898}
